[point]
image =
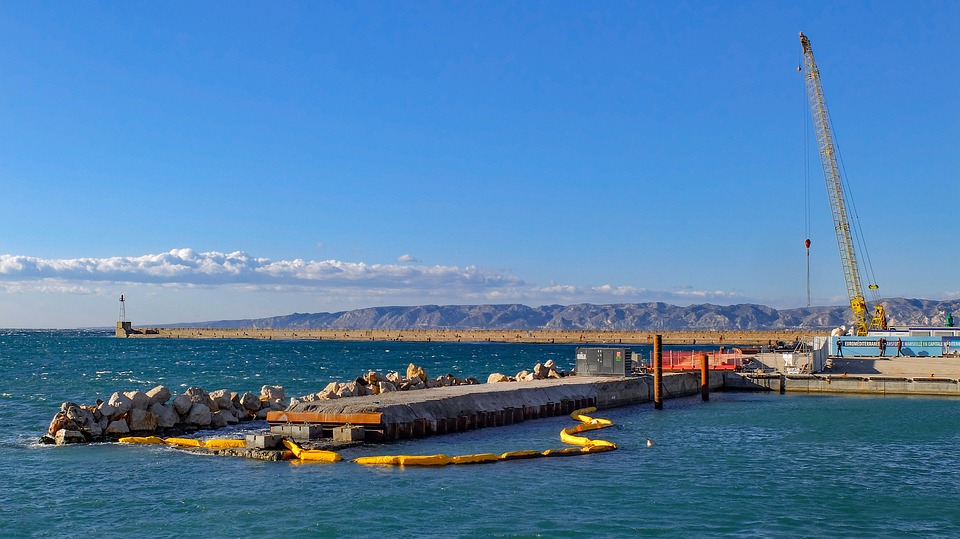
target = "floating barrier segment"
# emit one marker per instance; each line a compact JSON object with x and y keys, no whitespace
{"x":567,"y":435}
{"x":213,"y":445}
{"x":315,"y":455}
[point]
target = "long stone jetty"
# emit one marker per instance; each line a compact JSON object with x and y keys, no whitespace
{"x":687,"y":337}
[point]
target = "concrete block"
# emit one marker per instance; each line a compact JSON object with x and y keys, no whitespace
{"x":263,"y":441}
{"x":298,"y":432}
{"x":348,"y":433}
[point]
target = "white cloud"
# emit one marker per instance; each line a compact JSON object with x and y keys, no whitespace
{"x":358,"y":282}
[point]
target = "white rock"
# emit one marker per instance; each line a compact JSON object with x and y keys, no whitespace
{"x":550,"y":364}
{"x":273,"y":393}
{"x":159,"y":395}
{"x":120,"y":402}
{"x":540,"y":371}
{"x":65,"y":436}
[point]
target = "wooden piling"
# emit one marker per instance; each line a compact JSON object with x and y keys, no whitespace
{"x":704,"y":377}
{"x":658,"y":372}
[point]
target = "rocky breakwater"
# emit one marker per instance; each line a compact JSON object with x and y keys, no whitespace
{"x":375,"y":383}
{"x":157,"y":411}
{"x":541,"y":371}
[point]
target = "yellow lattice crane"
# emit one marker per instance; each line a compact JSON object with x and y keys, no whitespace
{"x":841,"y":222}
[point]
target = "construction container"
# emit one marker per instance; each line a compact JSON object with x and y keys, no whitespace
{"x":604,"y":361}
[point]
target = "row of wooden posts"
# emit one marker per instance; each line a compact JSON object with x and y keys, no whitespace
{"x":658,"y":374}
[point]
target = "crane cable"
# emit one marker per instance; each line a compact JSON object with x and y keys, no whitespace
{"x":806,"y":171}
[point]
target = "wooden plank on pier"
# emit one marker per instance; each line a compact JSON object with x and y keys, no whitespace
{"x":371,"y":418}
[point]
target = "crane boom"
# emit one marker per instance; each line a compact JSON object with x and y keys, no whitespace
{"x":841,"y":222}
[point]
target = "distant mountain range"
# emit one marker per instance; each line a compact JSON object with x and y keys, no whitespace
{"x":623,"y":317}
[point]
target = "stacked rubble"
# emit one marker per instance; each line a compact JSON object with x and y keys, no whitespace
{"x":541,"y":371}
{"x":152,"y":412}
{"x":374,"y":383}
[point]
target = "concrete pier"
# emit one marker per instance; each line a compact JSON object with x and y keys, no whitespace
{"x":414,"y":414}
{"x":844,"y":383}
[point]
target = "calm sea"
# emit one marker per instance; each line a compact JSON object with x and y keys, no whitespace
{"x":742,"y":465}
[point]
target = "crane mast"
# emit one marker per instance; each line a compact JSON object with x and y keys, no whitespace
{"x":841,"y":222}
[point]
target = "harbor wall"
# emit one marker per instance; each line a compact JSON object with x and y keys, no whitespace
{"x":843,"y":383}
{"x":687,"y":337}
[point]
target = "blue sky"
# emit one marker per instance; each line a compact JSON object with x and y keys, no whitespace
{"x":229,"y":160}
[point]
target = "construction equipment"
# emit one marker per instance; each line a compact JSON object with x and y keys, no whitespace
{"x":841,"y":222}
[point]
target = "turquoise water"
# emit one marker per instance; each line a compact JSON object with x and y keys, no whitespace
{"x":741,"y":465}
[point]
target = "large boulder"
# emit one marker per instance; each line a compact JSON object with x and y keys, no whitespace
{"x":117,"y":428}
{"x":326,"y":394}
{"x":106,"y":410}
{"x":218,"y":419}
{"x":416,"y":371}
{"x":346,"y":390}
{"x":386,"y":387}
{"x":138,"y":400}
{"x":540,"y":371}
{"x":120,"y":403}
{"x":182,"y":403}
{"x":159,"y":395}
{"x":250,"y":401}
{"x":199,"y":396}
{"x":166,"y":415}
{"x":60,"y":422}
{"x":394,"y":377}
{"x":142,"y":421}
{"x":273,"y":393}
{"x":67,"y":436}
{"x":199,"y":415}
{"x":222,"y":398}
{"x":497,"y":377}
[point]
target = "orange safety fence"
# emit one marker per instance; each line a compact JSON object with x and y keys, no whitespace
{"x":688,"y":360}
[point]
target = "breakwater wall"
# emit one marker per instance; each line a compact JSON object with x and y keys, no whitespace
{"x":844,"y":383}
{"x":707,"y":337}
